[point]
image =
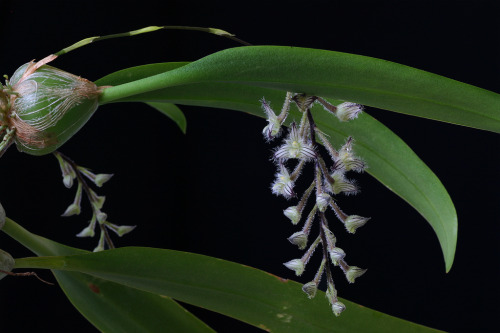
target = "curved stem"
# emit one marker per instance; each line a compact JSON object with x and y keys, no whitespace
{"x":89,"y":40}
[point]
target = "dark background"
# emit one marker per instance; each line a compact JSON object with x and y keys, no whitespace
{"x":208,"y":191}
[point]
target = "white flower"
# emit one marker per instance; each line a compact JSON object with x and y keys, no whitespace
{"x":296,"y":265}
{"x":299,"y":239}
{"x":338,"y":308}
{"x":273,"y":129}
{"x":354,"y":272}
{"x":295,"y":146}
{"x":346,"y":159}
{"x":348,"y":111}
{"x":310,"y":289}
{"x":120,"y":230}
{"x":322,"y":201}
{"x":283,"y":185}
{"x":74,"y":208}
{"x":98,"y":179}
{"x":293,"y":214}
{"x":353,"y":222}
{"x":336,"y":254}
{"x":341,"y":184}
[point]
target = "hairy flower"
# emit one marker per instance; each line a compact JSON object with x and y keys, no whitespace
{"x":348,"y":111}
{"x":346,"y":159}
{"x":341,"y":184}
{"x":338,"y":308}
{"x":299,"y":239}
{"x":283,"y":185}
{"x":295,"y":147}
{"x":354,"y":272}
{"x":322,"y":201}
{"x":273,"y":128}
{"x":293,"y":214}
{"x":310,"y":289}
{"x":336,"y":254}
{"x":353,"y":222}
{"x":296,"y":265}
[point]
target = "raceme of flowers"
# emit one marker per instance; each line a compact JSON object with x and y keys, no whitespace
{"x":298,"y":148}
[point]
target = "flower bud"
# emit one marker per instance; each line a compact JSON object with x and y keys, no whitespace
{"x":336,"y":254}
{"x":310,"y":289}
{"x":353,"y":222}
{"x":293,"y":214}
{"x":46,"y":106}
{"x":101,"y":217}
{"x":73,"y":209}
{"x":296,"y":265}
{"x":6,"y":263}
{"x":101,"y":178}
{"x":354,"y":272}
{"x":87,"y":232}
{"x":299,"y":239}
{"x":120,"y":230}
{"x":322,"y":201}
{"x":338,"y":308}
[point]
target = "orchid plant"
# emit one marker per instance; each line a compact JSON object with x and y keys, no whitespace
{"x":326,"y":135}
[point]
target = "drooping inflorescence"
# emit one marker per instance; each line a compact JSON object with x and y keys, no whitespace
{"x":71,"y":172}
{"x":329,"y":180}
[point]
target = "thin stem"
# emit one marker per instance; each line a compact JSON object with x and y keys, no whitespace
{"x":333,"y":152}
{"x":89,"y":40}
{"x":109,"y":242}
{"x":305,"y":258}
{"x":324,"y":170}
{"x":286,"y":108}
{"x":324,"y":243}
{"x":340,"y":214}
{"x":307,"y":193}
{"x":26,"y":274}
{"x":310,"y":218}
{"x":312,"y":126}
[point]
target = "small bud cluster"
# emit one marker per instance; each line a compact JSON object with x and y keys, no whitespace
{"x":329,"y":181}
{"x":72,"y":171}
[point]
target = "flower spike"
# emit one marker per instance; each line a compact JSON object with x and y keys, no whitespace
{"x":300,"y":147}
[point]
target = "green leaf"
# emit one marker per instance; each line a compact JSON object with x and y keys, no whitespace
{"x":247,"y":294}
{"x":171,"y":111}
{"x":337,"y":75}
{"x":168,"y":109}
{"x":111,"y":307}
{"x":389,"y":159}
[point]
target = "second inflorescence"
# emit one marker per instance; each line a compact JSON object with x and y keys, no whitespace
{"x":300,"y":146}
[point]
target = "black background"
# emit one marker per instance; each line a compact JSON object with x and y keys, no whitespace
{"x":208,"y":191}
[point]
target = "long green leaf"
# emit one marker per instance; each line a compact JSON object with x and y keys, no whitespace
{"x":173,"y":112}
{"x":239,"y":291}
{"x":109,"y":306}
{"x":343,"y":76}
{"x":389,"y":159}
